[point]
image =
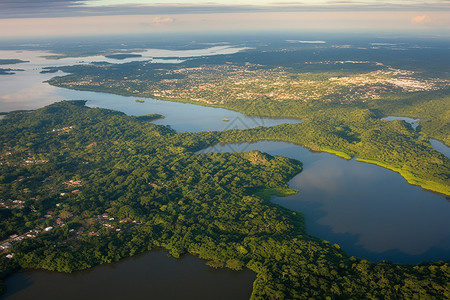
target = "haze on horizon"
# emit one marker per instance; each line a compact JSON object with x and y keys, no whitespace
{"x":32,"y":18}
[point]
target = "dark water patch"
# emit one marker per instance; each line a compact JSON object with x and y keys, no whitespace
{"x":152,"y":275}
{"x":371,"y":212}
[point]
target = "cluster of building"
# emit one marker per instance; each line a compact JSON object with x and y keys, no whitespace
{"x":225,"y":83}
{"x":11,"y":204}
{"x":5,"y":245}
{"x":63,"y":130}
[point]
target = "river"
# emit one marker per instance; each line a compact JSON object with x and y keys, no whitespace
{"x":152,"y":275}
{"x":27,"y":90}
{"x":441,"y":147}
{"x":369,"y":211}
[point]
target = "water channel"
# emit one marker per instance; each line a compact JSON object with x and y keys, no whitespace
{"x":369,"y":211}
{"x":152,"y":275}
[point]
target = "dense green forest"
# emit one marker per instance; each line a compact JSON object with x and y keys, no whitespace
{"x":354,"y":131}
{"x":340,"y":103}
{"x":112,"y":186}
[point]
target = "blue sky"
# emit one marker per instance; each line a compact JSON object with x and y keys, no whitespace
{"x":80,"y":17}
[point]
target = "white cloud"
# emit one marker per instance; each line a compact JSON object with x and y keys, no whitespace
{"x":421,"y":19}
{"x":78,"y":8}
{"x":228,"y":22}
{"x":163,"y":20}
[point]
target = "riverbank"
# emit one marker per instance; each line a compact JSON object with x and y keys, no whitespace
{"x":317,"y":132}
{"x":425,"y":184}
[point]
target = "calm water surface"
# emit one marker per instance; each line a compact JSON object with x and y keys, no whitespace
{"x":371,"y":212}
{"x":152,"y":275}
{"x":27,"y":90}
{"x":413,"y":122}
{"x":441,"y":147}
{"x":437,"y":145}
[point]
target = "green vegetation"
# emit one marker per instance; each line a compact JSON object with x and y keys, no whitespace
{"x":357,"y":132}
{"x":150,"y":117}
{"x":431,"y":108}
{"x":337,"y":153}
{"x":122,"y":56}
{"x":9,"y":71}
{"x":48,"y":71}
{"x":341,"y":103}
{"x":7,"y":266}
{"x":275,"y":191}
{"x":140,"y":101}
{"x":113,"y":186}
{"x":11,"y":61}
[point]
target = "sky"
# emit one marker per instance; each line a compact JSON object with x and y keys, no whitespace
{"x":43,"y":18}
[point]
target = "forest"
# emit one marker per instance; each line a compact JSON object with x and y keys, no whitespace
{"x":341,"y":104}
{"x":96,"y":185}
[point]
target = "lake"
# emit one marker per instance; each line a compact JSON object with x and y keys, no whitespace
{"x":371,"y":212}
{"x":437,"y":145}
{"x":413,"y":122}
{"x":27,"y":90}
{"x":151,"y":275}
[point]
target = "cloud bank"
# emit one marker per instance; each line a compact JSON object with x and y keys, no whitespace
{"x":421,"y":19}
{"x":77,"y":8}
{"x":228,"y":22}
{"x":19,"y":18}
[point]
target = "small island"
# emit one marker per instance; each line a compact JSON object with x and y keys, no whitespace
{"x":7,"y":61}
{"x":48,"y":70}
{"x":149,"y":117}
{"x":122,"y":56}
{"x":9,"y":71}
{"x":140,"y":101}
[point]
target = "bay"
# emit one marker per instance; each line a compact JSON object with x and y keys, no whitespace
{"x":151,"y":275}
{"x":335,"y":207}
{"x":371,"y":212}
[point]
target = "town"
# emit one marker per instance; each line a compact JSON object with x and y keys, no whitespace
{"x":228,"y":83}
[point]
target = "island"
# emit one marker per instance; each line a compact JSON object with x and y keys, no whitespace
{"x":150,"y":117}
{"x":122,"y":56}
{"x":8,"y":61}
{"x":84,"y":186}
{"x":9,"y":71}
{"x":341,"y":103}
{"x":48,"y":71}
